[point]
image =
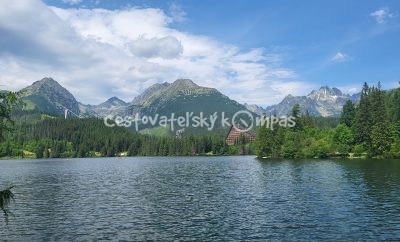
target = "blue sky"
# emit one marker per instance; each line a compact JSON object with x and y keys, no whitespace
{"x":277,"y":47}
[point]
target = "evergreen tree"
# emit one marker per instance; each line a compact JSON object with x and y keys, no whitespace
{"x":306,"y":120}
{"x":264,"y":142}
{"x":348,"y":114}
{"x":362,"y":122}
{"x":291,"y":145}
{"x":381,"y":139}
{"x":392,"y":101}
{"x":377,"y":105}
{"x":7,"y":102}
{"x":296,"y":114}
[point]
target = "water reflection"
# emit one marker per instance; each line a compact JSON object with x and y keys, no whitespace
{"x":203,"y":198}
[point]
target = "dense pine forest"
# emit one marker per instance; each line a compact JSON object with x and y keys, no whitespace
{"x":56,"y":138}
{"x":370,"y":128}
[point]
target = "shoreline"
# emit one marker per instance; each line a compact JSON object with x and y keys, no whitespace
{"x":258,"y":158}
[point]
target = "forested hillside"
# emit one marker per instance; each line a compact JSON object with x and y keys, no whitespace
{"x":50,"y":137}
{"x":370,"y":129}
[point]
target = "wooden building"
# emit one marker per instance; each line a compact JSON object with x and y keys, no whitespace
{"x":234,"y":135}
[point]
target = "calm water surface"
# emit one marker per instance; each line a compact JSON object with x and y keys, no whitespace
{"x":202,"y":198}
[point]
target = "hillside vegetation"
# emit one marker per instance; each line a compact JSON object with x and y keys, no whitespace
{"x":370,"y":129}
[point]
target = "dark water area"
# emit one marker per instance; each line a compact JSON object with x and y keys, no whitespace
{"x":202,"y":198}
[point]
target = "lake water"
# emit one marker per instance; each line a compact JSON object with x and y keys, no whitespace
{"x":202,"y":198}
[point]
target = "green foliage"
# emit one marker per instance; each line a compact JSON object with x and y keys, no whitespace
{"x":348,"y":114}
{"x":7,"y":102}
{"x":317,"y":149}
{"x":296,"y":111}
{"x":263,"y":142}
{"x":371,"y":128}
{"x":325,"y":122}
{"x":296,"y":114}
{"x":343,"y":138}
{"x":59,"y":138}
{"x":291,"y":144}
{"x":306,"y":121}
{"x":269,"y":142}
{"x":358,"y":149}
{"x":362,"y":121}
{"x":374,"y":116}
{"x":381,"y":139}
{"x":392,"y":101}
{"x":395,"y":148}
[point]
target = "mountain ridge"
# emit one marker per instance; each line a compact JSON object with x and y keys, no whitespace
{"x":325,"y":102}
{"x":49,"y":96}
{"x":178,"y":97}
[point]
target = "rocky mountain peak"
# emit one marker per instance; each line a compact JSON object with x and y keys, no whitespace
{"x":45,"y":82}
{"x":289,"y":96}
{"x":326,"y":93}
{"x":48,"y":95}
{"x":184,"y":83}
{"x":150,"y":92}
{"x":185,"y":87}
{"x":113,"y":105}
{"x":325,"y":101}
{"x":116,"y":101}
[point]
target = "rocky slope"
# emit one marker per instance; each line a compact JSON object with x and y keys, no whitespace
{"x":326,"y":102}
{"x":112,"y":106}
{"x":183,"y":95}
{"x":47,"y":95}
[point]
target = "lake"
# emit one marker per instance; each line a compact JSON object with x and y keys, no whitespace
{"x":202,"y":198}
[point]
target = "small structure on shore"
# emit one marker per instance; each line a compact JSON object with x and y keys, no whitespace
{"x":235,"y":133}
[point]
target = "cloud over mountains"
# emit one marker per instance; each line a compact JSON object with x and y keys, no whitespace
{"x":97,"y":53}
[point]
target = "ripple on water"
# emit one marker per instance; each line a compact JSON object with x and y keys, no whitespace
{"x":202,"y":198}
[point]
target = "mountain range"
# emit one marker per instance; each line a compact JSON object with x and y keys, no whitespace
{"x":47,"y":95}
{"x":325,"y":102}
{"x":179,"y":97}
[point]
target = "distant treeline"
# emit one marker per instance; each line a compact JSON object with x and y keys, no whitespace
{"x":369,"y":129}
{"x":56,"y":137}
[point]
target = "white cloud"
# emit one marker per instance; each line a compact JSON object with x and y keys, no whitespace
{"x":167,"y":47}
{"x":340,"y":57}
{"x":98,"y":53}
{"x":381,"y":15}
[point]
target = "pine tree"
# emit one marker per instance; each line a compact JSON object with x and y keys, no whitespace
{"x":362,"y":122}
{"x":348,"y":114}
{"x":306,"y":120}
{"x":381,"y":139}
{"x":380,"y":130}
{"x":263,"y":143}
{"x":291,"y":145}
{"x":7,"y":102}
{"x":278,"y":137}
{"x":377,"y":105}
{"x":392,"y":105}
{"x":296,"y":114}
